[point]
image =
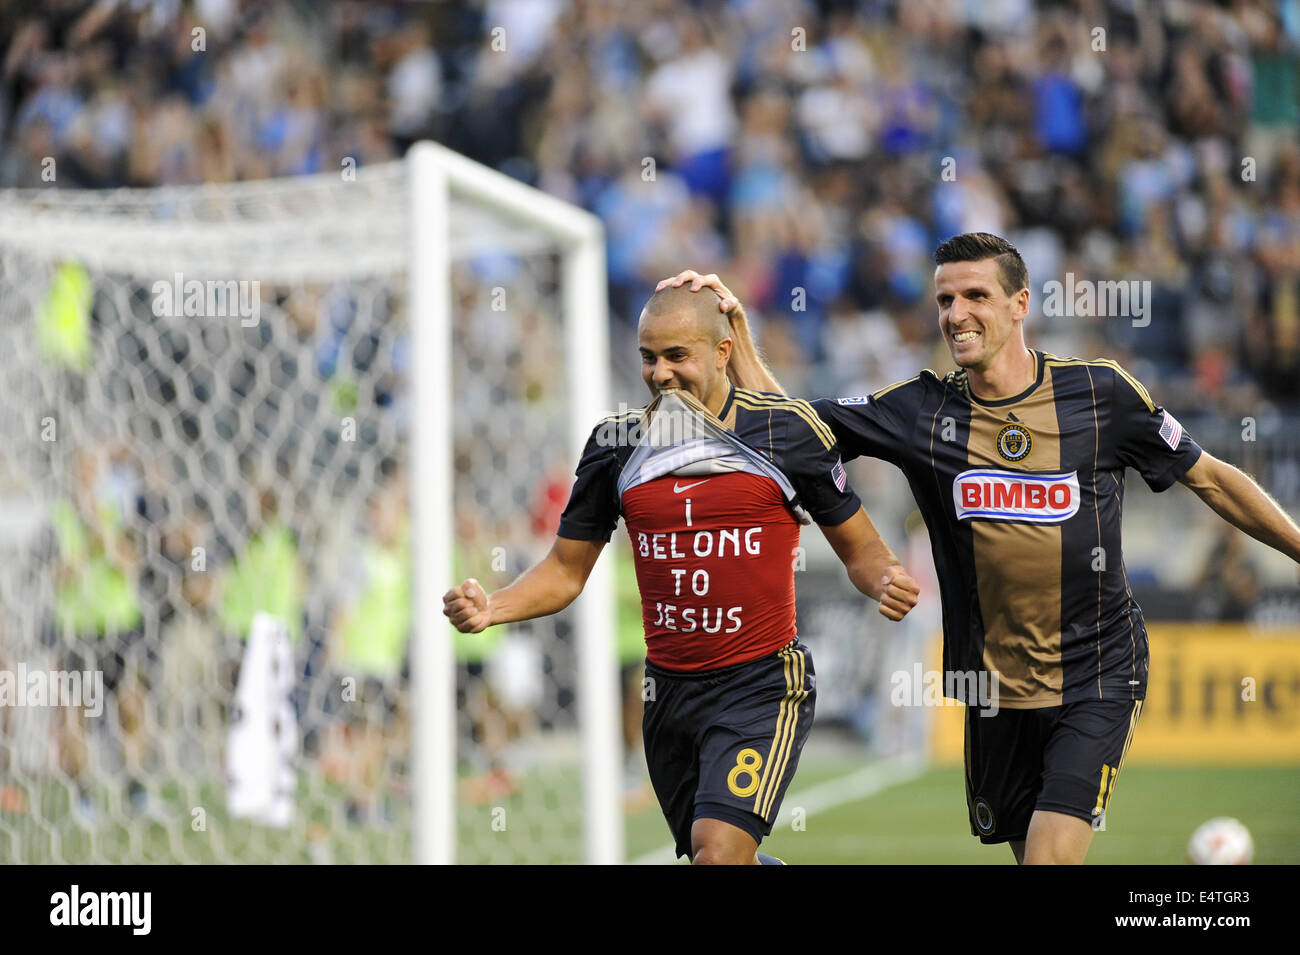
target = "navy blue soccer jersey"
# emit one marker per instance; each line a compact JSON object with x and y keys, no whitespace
{"x":714,"y":546}
{"x":1023,"y":497}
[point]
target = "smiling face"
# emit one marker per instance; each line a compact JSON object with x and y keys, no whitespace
{"x":679,"y":350}
{"x":976,"y":314}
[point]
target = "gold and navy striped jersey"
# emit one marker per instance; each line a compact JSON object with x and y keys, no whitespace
{"x":1022,"y":497}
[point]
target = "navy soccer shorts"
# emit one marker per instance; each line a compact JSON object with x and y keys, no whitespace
{"x":1059,"y":759}
{"x":724,"y":744}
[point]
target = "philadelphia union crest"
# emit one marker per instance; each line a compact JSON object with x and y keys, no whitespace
{"x":1015,"y":442}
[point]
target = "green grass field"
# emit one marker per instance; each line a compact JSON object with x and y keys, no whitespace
{"x":923,"y":821}
{"x":917,"y":819}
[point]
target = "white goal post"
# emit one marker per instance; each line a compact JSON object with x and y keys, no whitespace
{"x":175,"y":467}
{"x":437,"y":175}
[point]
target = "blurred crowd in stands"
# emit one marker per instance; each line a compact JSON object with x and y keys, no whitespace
{"x":811,"y":153}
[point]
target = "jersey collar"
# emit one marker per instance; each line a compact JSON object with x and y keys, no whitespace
{"x":1038,"y":380}
{"x":726,"y":405}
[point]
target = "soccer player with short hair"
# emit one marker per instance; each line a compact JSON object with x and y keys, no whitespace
{"x":712,"y":480}
{"x":1016,"y":461}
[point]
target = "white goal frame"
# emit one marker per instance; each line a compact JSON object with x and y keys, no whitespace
{"x":436,"y":175}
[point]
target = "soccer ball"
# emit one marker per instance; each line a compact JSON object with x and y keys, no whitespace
{"x":1221,"y":841}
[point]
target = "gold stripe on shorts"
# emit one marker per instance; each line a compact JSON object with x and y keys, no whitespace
{"x":783,"y":743}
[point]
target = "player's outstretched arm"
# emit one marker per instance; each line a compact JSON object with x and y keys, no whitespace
{"x":547,"y":588}
{"x":1243,"y":503}
{"x":746,"y":369}
{"x":872,"y":566}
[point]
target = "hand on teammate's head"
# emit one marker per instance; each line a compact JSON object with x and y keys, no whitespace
{"x":698,"y":280}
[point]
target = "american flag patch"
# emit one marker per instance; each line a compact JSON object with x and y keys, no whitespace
{"x":1171,"y":430}
{"x":838,"y":475}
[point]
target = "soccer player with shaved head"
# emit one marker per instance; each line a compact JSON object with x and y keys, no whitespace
{"x":1017,"y":460}
{"x":713,"y":480}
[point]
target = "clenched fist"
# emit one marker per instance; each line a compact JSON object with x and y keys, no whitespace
{"x":898,"y":593}
{"x":467,"y":607}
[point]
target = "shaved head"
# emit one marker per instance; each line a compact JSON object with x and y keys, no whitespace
{"x":685,"y":342}
{"x":702,"y":306}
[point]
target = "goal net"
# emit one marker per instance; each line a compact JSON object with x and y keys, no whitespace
{"x":253,"y":431}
